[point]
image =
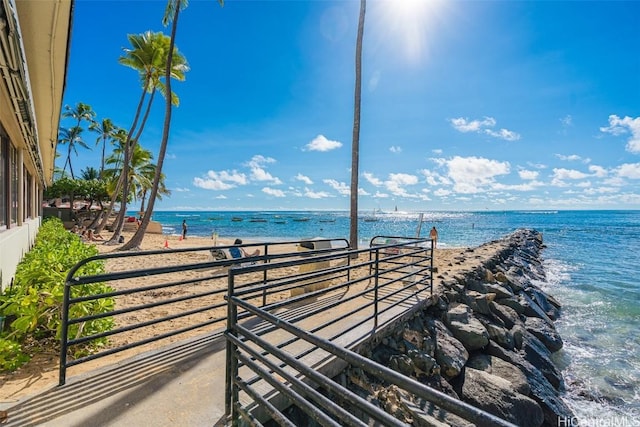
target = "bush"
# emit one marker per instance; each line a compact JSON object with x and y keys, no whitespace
{"x":33,"y":304}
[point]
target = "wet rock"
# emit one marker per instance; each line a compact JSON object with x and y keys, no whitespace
{"x":531,"y":309}
{"x":544,"y":332}
{"x":478,"y":302}
{"x":542,"y":391}
{"x":543,"y":302}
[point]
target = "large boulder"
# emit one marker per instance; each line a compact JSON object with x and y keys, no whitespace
{"x":542,"y":391}
{"x":449,"y":353}
{"x":501,"y":368}
{"x":497,"y":396}
{"x":544,"y":332}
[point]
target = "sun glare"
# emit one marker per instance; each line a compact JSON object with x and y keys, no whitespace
{"x":407,"y":25}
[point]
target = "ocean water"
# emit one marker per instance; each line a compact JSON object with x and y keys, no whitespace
{"x":591,"y":260}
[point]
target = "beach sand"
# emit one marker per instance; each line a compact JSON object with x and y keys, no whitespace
{"x":42,"y":371}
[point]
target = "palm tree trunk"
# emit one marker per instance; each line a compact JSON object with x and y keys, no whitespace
{"x":355,"y":145}
{"x":120,"y":180}
{"x":136,"y":240}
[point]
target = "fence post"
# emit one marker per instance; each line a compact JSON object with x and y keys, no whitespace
{"x":375,"y":289}
{"x":231,"y":395}
{"x":64,"y":333}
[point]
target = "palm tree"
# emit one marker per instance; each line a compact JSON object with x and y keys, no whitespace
{"x":89,"y":173}
{"x":148,"y":56}
{"x":355,"y":145}
{"x":73,"y":138}
{"x":172,"y":13}
{"x":105,"y":130}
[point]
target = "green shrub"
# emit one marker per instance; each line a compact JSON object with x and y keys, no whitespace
{"x":33,"y":304}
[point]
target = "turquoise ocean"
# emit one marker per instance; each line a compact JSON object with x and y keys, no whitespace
{"x":591,"y":259}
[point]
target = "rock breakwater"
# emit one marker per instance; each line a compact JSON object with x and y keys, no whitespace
{"x":487,"y":340}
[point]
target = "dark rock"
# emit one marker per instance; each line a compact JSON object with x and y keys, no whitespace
{"x":402,"y":363}
{"x":450,"y":353}
{"x":497,"y":396}
{"x":542,"y":300}
{"x":506,"y":314}
{"x":501,"y":368}
{"x":544,"y":332}
{"x":540,"y":357}
{"x":542,"y":391}
{"x":478,"y":302}
{"x":513,"y":303}
{"x":531,"y":309}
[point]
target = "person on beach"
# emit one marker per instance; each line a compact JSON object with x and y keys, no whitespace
{"x":184,"y":229}
{"x":433,"y":235}
{"x":92,"y":236}
{"x":238,"y":252}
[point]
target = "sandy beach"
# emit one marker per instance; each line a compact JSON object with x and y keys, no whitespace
{"x":42,"y":371}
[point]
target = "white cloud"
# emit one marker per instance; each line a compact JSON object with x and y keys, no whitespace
{"x":396,"y":182}
{"x":527,"y":174}
{"x":483,"y":126}
{"x":505,"y":134}
{"x":395,"y":149}
{"x":561,"y":174}
{"x":629,"y":170}
{"x":618,"y":126}
{"x":363,"y":192}
{"x":340,"y":187}
{"x":220,"y":196}
{"x":437,"y":151}
{"x":569,"y":158}
{"x":598,"y":171}
{"x":380,"y":195}
{"x":181,"y":190}
{"x":258,"y":172}
{"x":273,"y":192}
{"x":441,"y":192}
{"x":434,"y":178}
{"x":304,"y":179}
{"x":321,"y":143}
{"x":464,"y":125}
{"x":316,"y":194}
{"x":372,"y":179}
{"x":473,"y":174}
{"x":223,"y":180}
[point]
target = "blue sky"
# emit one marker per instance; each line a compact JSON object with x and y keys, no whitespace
{"x":466,"y":105}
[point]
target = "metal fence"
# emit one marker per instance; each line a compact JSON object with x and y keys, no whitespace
{"x":180,"y":298}
{"x":278,"y":358}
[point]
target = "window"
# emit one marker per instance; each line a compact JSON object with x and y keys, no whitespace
{"x":14,"y":184}
{"x":4,"y":184}
{"x":28,"y":195}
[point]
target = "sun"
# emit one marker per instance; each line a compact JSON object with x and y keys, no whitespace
{"x":407,"y":25}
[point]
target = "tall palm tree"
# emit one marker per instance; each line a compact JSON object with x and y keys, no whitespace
{"x":89,"y":173}
{"x":172,"y":13}
{"x":355,"y":144}
{"x":81,"y":113}
{"x":73,"y":138}
{"x":148,"y":56}
{"x":105,"y":130}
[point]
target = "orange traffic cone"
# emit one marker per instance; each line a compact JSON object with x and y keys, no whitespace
{"x":166,"y":243}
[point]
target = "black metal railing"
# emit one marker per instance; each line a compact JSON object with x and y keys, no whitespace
{"x":281,"y":358}
{"x":188,"y":297}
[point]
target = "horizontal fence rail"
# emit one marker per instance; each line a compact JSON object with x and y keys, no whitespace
{"x":186,"y":298}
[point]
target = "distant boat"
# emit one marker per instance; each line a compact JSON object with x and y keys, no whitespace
{"x":236,"y":219}
{"x":327,"y":220}
{"x":371,"y":218}
{"x":257,"y":220}
{"x":280,"y":222}
{"x":301,"y":219}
